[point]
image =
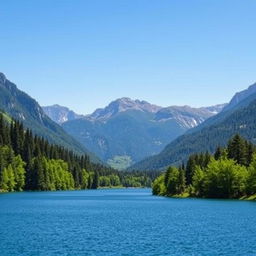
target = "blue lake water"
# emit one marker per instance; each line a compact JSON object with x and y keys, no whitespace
{"x":123,"y":222}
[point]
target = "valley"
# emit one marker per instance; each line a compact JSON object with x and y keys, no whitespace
{"x":127,"y":131}
{"x":127,"y":128}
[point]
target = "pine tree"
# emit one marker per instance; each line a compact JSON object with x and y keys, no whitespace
{"x":218,"y":153}
{"x":38,"y":179}
{"x":95,"y":183}
{"x":173,"y":182}
{"x":167,"y":176}
{"x":237,"y":149}
{"x":190,"y":168}
{"x":250,"y":149}
{"x":181,"y":181}
{"x":251,"y":179}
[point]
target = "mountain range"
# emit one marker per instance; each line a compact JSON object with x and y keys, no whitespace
{"x":18,"y":105}
{"x":134,"y":134}
{"x":126,"y":131}
{"x":238,"y":117}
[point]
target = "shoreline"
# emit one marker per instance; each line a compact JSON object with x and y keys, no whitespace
{"x":99,"y":188}
{"x":186,"y":195}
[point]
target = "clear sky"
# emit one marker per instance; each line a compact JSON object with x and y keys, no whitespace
{"x":85,"y":53}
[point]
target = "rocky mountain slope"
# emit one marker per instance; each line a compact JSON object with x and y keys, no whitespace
{"x":60,"y":114}
{"x":127,"y":130}
{"x":237,"y":117}
{"x":21,"y":106}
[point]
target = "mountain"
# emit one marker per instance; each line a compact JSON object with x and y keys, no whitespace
{"x":240,"y":96}
{"x":122,"y":105}
{"x":126,"y":131}
{"x":238,"y":101}
{"x":60,"y":114}
{"x":21,"y":106}
{"x":217,"y":108}
{"x":237,"y":117}
{"x":186,"y":116}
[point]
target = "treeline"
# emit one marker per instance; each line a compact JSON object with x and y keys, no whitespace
{"x":229,"y":173}
{"x":127,"y":180}
{"x":29,"y":162}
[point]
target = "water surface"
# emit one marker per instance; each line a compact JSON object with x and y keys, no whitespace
{"x":125,"y":222}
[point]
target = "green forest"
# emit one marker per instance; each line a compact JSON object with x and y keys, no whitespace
{"x":229,"y":173}
{"x":29,"y":162}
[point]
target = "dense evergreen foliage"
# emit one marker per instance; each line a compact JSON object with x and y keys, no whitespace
{"x":229,"y":173}
{"x":30,"y":162}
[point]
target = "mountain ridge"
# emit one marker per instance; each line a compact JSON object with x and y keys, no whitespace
{"x":19,"y":105}
{"x":55,"y":112}
{"x":127,"y":130}
{"x":121,"y":105}
{"x":240,"y":96}
{"x":234,"y":118}
{"x":60,"y":114}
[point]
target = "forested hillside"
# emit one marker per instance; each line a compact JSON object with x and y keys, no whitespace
{"x":229,"y":173}
{"x":22,"y":107}
{"x":242,"y":121}
{"x":29,"y":162}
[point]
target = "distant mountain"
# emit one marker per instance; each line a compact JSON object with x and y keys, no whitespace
{"x":186,"y":116}
{"x":19,"y":105}
{"x":122,"y":105}
{"x":238,"y":101}
{"x":60,"y":114}
{"x":240,"y":96}
{"x":237,"y":117}
{"x":127,"y":131}
{"x":217,"y":108}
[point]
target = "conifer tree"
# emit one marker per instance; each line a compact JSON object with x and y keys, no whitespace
{"x":181,"y":181}
{"x":251,"y":179}
{"x":190,"y":168}
{"x":237,"y":149}
{"x":95,"y":183}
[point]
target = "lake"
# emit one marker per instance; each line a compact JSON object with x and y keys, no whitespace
{"x":123,"y":222}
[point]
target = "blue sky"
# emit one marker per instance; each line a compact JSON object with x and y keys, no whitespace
{"x":84,"y":54}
